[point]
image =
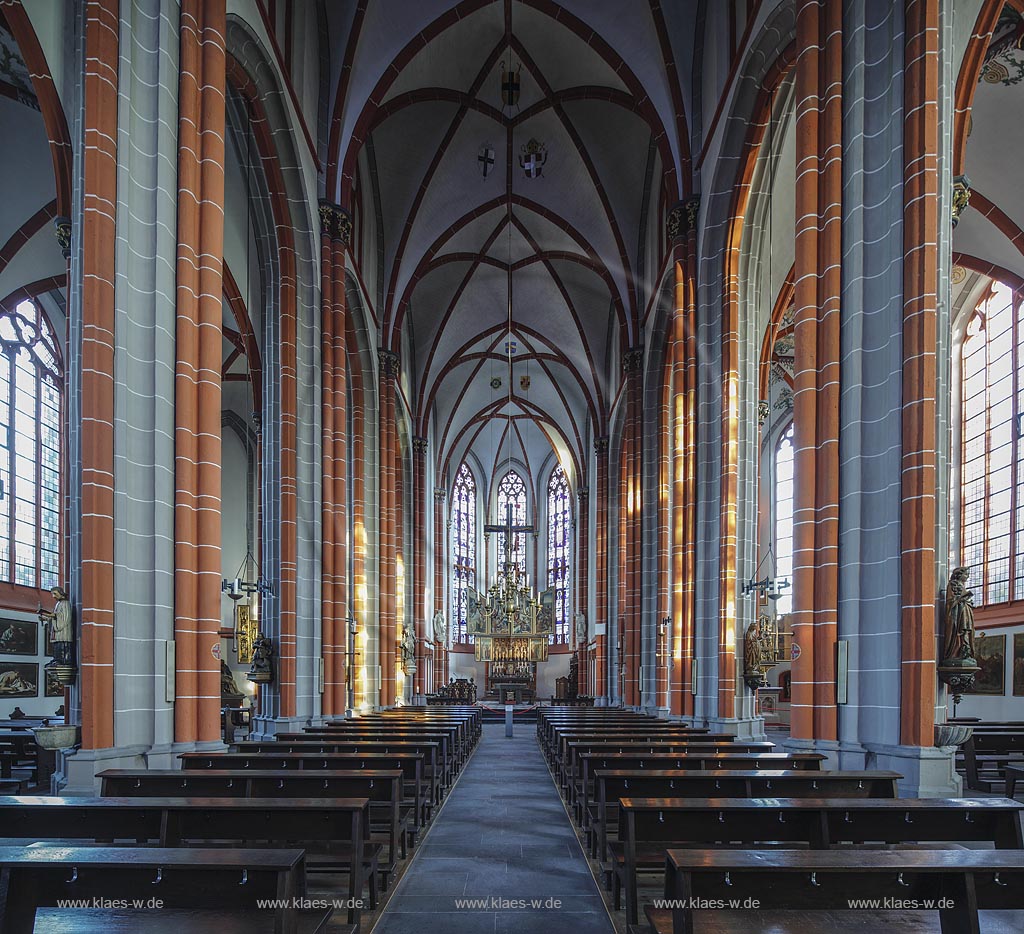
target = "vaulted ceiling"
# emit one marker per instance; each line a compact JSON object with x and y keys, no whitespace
{"x":423,"y":99}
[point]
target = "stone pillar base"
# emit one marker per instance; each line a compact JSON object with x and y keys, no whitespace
{"x":267,"y":728}
{"x":751,"y":728}
{"x":928,"y":771}
{"x":77,"y":768}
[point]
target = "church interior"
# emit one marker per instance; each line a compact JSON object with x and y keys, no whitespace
{"x":511,"y":465}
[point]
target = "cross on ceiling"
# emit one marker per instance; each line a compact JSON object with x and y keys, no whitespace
{"x":486,"y":160}
{"x":509,"y":529}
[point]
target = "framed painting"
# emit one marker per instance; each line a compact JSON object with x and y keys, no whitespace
{"x":991,"y":653}
{"x":482,"y":650}
{"x":538,"y":650}
{"x":1018,"y":664}
{"x":19,"y":637}
{"x":19,"y":679}
{"x":53,"y":687}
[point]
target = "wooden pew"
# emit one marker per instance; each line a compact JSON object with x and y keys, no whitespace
{"x":435,"y":746}
{"x":986,"y":755}
{"x":818,"y":880}
{"x":691,"y":745}
{"x":225,"y":879}
{"x":613,"y":784}
{"x":383,"y":789}
{"x":433,"y":770}
{"x":453,"y":753}
{"x":650,"y":826}
{"x":341,"y":824}
{"x":563,"y":738}
{"x":410,"y":764}
{"x":681,"y":761}
{"x":178,"y":921}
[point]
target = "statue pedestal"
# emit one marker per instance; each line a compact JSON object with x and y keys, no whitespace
{"x":508,"y":721}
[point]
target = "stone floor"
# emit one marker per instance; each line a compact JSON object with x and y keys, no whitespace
{"x":503,"y":840}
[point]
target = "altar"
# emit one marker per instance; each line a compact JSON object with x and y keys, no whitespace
{"x":521,"y":693}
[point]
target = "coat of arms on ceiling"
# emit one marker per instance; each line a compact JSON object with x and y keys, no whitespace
{"x":1004,"y":60}
{"x":532,"y":156}
{"x":486,"y":159}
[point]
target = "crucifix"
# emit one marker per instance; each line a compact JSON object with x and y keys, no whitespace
{"x":509,"y":530}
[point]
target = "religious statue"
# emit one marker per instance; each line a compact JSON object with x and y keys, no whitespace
{"x":408,"y":647}
{"x":959,"y":648}
{"x":581,"y":628}
{"x":228,"y":689}
{"x":440,"y":628}
{"x":58,"y":625}
{"x":261,"y":670}
{"x":754,"y":660}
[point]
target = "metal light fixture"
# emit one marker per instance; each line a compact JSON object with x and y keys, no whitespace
{"x":242,"y":584}
{"x":769,"y":586}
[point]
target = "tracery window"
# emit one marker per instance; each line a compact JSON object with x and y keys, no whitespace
{"x":463,"y":548}
{"x":31,"y":390}
{"x":784,"y":518}
{"x":992,"y":478}
{"x":512,"y":492}
{"x":560,"y":550}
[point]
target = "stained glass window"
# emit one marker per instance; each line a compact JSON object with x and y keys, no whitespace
{"x":512,"y":492}
{"x":560,"y":550}
{"x":992,"y":481}
{"x":30,"y":452}
{"x":784,"y":519}
{"x":463,"y":546}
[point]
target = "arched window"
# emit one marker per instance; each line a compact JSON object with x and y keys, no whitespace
{"x":512,"y":492}
{"x":992,"y":479}
{"x":31,"y":387}
{"x":559,"y":550}
{"x":784,"y":518}
{"x":463,"y":546}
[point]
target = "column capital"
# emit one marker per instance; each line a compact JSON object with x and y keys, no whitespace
{"x":389,"y":363}
{"x":62,"y":231}
{"x":961,"y":196}
{"x":335,"y":222}
{"x":583,"y":494}
{"x":601,"y":445}
{"x":440,"y":493}
{"x":682,"y":218}
{"x":633,"y":360}
{"x":419,"y":446}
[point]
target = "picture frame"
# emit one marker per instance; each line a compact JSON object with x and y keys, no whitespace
{"x":990,"y":651}
{"x":1018,"y":664}
{"x":19,"y":679}
{"x":19,"y":637}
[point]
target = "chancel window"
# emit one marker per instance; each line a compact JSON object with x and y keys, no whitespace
{"x":512,"y":492}
{"x":559,"y":550}
{"x":992,"y":478}
{"x":784,"y":518}
{"x":463,"y":546}
{"x":31,"y":387}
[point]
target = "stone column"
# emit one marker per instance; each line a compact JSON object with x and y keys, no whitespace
{"x":95,"y":374}
{"x":197,"y":384}
{"x":631,"y":504}
{"x":683,"y":412}
{"x":388,"y":614}
{"x":582,"y":582}
{"x":440,"y":551}
{"x":819,"y":198}
{"x":601,"y":542}
{"x":335,"y":235}
{"x":419,"y":545}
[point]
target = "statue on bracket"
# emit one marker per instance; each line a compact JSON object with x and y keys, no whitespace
{"x":440,"y":628}
{"x":959,"y":665}
{"x":581,"y":628}
{"x":261,"y":671}
{"x":61,"y":637}
{"x":408,"y":649}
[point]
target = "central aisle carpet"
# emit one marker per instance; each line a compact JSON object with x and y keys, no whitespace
{"x":503,"y":841}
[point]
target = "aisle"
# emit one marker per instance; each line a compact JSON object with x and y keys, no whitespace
{"x":502,"y":836}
